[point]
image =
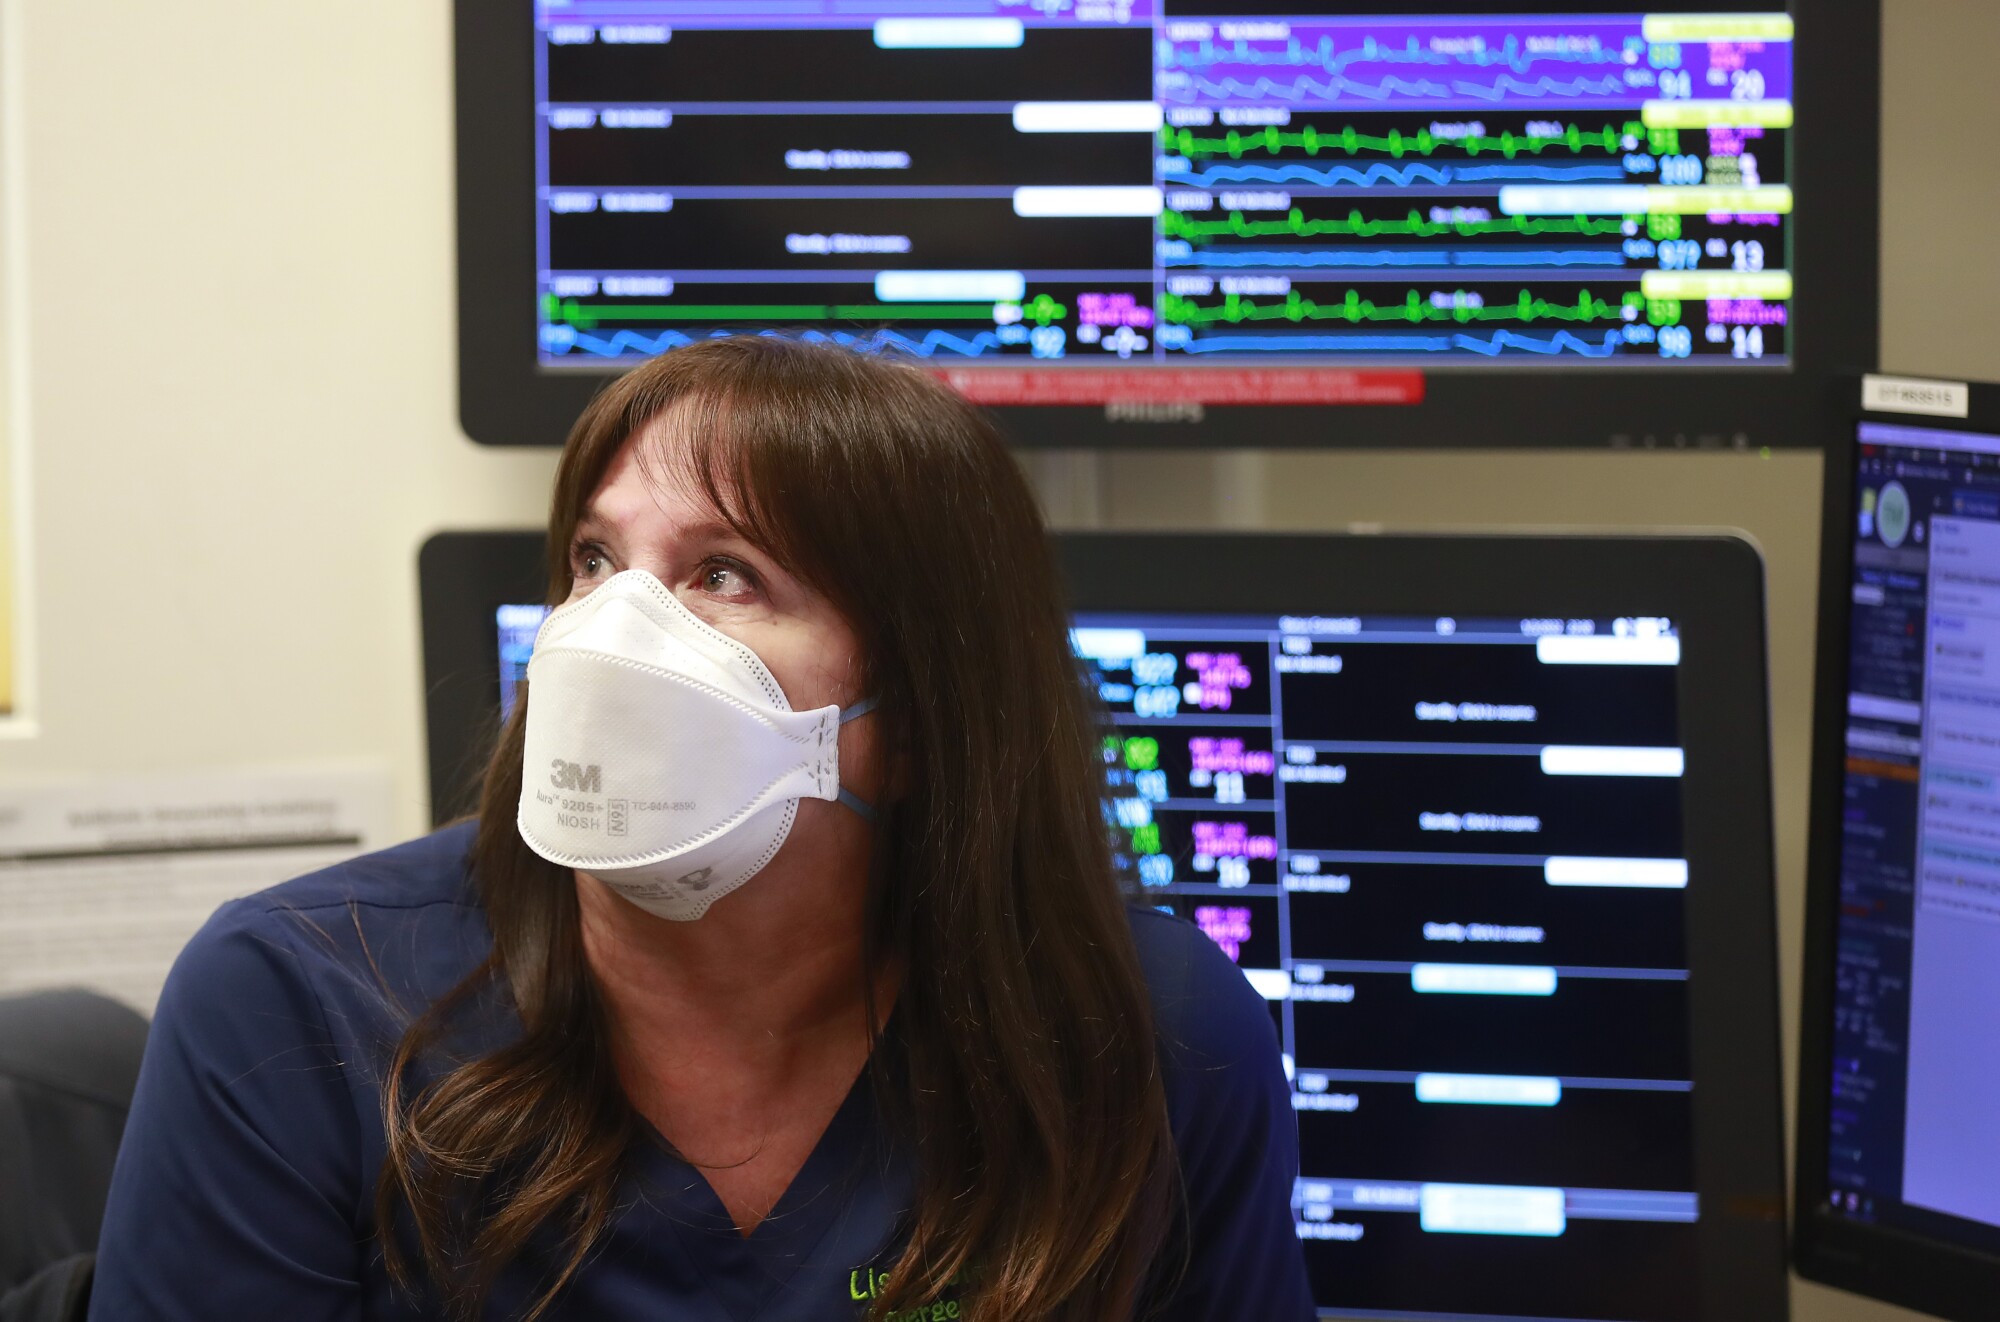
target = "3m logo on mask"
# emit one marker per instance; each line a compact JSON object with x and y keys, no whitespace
{"x":575,"y":776}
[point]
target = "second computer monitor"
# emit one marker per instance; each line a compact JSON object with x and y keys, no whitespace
{"x":1899,"y":1155}
{"x":1486,"y":821}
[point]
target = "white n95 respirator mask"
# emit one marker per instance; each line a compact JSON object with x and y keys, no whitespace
{"x":662,"y":757}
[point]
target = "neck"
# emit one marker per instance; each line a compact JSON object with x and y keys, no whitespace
{"x":769,"y":967}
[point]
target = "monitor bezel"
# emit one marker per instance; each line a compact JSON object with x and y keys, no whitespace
{"x":463,"y":578}
{"x":1884,"y":1262}
{"x":1711,"y":585}
{"x":506,"y":398}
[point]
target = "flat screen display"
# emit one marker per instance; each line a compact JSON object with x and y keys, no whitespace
{"x":1915,"y":1059}
{"x":1449,"y":853}
{"x":515,"y":628}
{"x":1120,"y":182}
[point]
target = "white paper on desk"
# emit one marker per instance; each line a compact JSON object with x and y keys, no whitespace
{"x":103,"y":880}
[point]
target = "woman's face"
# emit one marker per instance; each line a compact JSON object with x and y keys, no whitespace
{"x":638,"y":519}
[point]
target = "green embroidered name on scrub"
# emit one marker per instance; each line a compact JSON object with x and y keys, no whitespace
{"x":865,"y":1283}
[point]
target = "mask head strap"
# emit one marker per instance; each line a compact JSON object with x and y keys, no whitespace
{"x":852,"y":802}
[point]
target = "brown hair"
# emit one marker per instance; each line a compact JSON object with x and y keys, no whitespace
{"x":1031,"y":1092}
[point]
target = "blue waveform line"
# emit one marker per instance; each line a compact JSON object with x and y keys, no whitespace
{"x":1332,"y":176}
{"x":620,"y":343}
{"x":1312,"y":89}
{"x":1324,"y":56}
{"x":1365,"y":176}
{"x":1468,"y":174}
{"x":930,"y":344}
{"x":1490,"y":346}
{"x":1536,"y":257}
{"x":1507,"y":84}
{"x":1406,"y":257}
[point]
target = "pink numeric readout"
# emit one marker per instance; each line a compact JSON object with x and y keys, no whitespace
{"x":1230,"y":755}
{"x":1217,"y":674}
{"x":1228,"y":925}
{"x":1745,"y":312}
{"x":1232,"y":840}
{"x":1112,"y":310}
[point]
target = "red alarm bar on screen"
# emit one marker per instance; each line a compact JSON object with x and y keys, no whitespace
{"x":1192,"y":385}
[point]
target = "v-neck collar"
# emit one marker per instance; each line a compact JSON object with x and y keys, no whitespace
{"x":849,"y":1199}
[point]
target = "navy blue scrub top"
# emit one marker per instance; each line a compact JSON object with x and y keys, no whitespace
{"x":245,"y":1184}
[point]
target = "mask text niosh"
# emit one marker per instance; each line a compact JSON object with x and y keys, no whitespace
{"x":662,"y":756}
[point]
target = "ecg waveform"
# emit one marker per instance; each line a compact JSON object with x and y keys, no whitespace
{"x":1486,"y":346}
{"x":931,"y":344}
{"x":1267,"y":189}
{"x":1297,"y":224}
{"x":1323,"y":54}
{"x":1376,"y":175}
{"x":1401,"y":258}
{"x":1272,"y":140}
{"x":1330,"y":91}
{"x":1413,"y":307}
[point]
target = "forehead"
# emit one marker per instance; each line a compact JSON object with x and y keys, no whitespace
{"x":648,"y":482}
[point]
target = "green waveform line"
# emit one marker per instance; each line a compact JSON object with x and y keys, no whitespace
{"x":1041,"y":310}
{"x":1181,"y":225}
{"x":589,"y":317}
{"x":1414,"y":308}
{"x":1309,"y":139}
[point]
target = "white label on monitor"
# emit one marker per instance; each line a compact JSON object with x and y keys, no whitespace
{"x":1910,"y":394}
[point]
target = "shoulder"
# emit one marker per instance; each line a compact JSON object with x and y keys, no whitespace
{"x":430,"y":870}
{"x":246,"y":1164}
{"x":1229,"y":1105}
{"x":401,"y":925}
{"x":1218,"y":1040}
{"x":1202,"y":1003}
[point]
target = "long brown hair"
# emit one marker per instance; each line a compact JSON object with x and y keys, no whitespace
{"x":1031,"y":1092}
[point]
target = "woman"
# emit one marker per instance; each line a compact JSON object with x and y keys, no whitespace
{"x":782,"y":974}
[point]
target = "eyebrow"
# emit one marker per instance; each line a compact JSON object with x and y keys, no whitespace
{"x":717,"y":530}
{"x":593,"y":523}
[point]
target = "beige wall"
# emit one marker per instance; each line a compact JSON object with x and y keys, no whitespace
{"x":241,"y":379}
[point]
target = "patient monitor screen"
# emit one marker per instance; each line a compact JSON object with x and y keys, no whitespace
{"x":1122,"y":182}
{"x":1912,"y":1142}
{"x":1448,"y":853}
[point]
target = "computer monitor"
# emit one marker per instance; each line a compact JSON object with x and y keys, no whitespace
{"x":1898,"y":1147}
{"x":1486,"y":820}
{"x":1186,"y":209}
{"x":481,"y":594}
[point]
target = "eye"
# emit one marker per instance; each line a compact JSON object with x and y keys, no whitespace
{"x":588,"y":561}
{"x":730,"y":580}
